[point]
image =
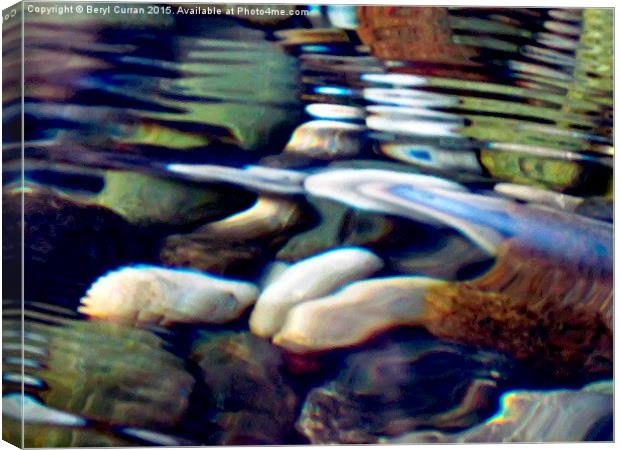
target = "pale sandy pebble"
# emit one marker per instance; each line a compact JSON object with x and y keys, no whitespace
{"x":154,"y":295}
{"x":310,"y":278}
{"x":355,"y":313}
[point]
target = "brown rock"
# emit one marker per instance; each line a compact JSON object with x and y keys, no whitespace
{"x":557,"y":316}
{"x":67,"y":244}
{"x":215,"y":256}
{"x":411,"y":34}
{"x":250,"y":400}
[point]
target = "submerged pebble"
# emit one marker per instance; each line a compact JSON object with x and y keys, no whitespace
{"x":243,"y":241}
{"x":556,"y":317}
{"x":403,"y":386}
{"x":145,"y":199}
{"x":67,"y":244}
{"x":354,"y":314}
{"x":249,"y":400}
{"x":308,"y":279}
{"x":206,"y":254}
{"x":153,"y":295}
{"x":269,"y":215}
{"x":105,"y":372}
{"x":536,"y":416}
{"x":563,"y":174}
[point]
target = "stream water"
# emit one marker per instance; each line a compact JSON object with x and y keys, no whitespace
{"x":467,"y":151}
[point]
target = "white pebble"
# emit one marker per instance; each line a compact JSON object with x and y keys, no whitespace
{"x":355,"y":313}
{"x":308,"y":279}
{"x":154,"y":295}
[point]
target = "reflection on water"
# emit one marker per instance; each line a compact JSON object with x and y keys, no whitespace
{"x":418,"y":201}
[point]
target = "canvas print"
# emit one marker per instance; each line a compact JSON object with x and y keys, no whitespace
{"x":298,"y":224}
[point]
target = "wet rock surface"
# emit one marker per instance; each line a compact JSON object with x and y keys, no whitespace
{"x":249,"y":399}
{"x":535,"y":310}
{"x":402,"y":386}
{"x":144,"y":199}
{"x":239,"y":244}
{"x":538,"y":416}
{"x":104,"y":372}
{"x":67,"y":244}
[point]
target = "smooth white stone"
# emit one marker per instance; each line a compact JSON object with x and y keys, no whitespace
{"x":308,"y":279}
{"x":355,"y":313}
{"x":154,"y":295}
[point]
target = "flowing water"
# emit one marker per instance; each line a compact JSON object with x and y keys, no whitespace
{"x":461,"y":158}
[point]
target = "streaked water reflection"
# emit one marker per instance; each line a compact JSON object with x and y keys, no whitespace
{"x":467,"y":150}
